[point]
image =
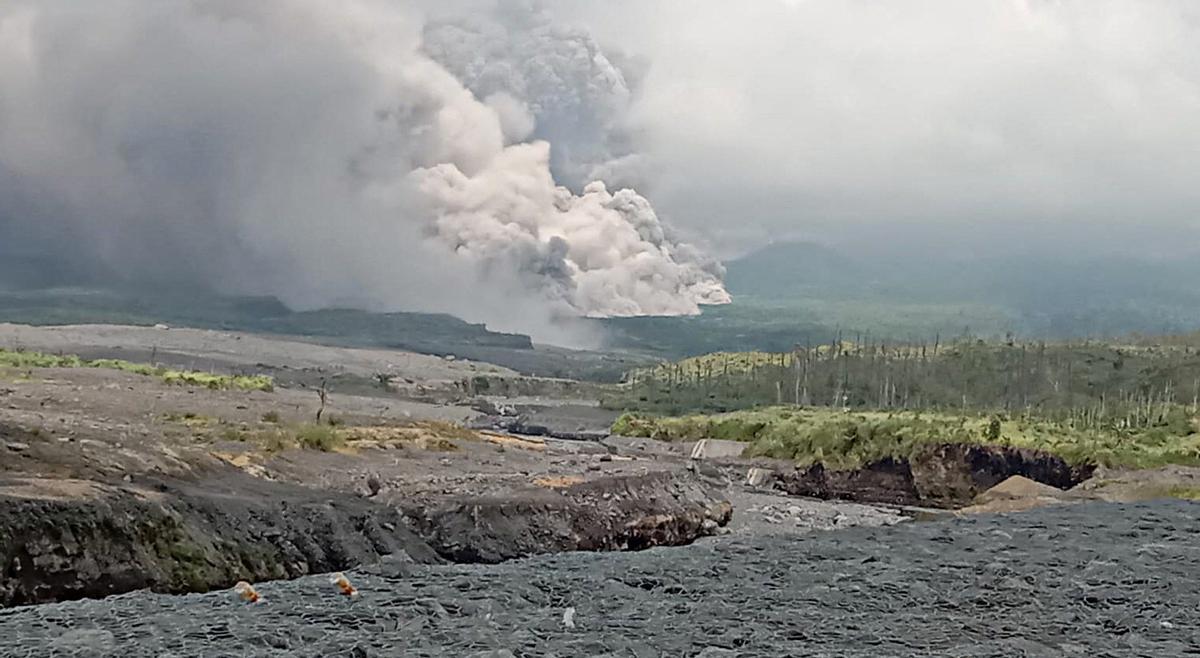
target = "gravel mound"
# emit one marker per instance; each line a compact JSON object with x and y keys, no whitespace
{"x":1082,"y":580}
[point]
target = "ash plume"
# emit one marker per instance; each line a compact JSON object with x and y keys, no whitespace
{"x":314,"y":151}
{"x":577,"y":93}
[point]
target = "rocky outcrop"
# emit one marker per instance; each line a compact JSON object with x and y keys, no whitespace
{"x":612,"y":513}
{"x":953,"y":474}
{"x":67,"y":539}
{"x":947,"y":476}
{"x":886,"y":481}
{"x":72,"y":539}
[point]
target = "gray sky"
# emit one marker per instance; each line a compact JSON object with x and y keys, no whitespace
{"x":440,"y":156}
{"x":1073,"y":122}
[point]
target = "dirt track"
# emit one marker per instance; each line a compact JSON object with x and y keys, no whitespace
{"x":1088,"y":580}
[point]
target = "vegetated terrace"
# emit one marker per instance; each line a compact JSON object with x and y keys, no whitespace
{"x":21,"y":359}
{"x":842,"y":439}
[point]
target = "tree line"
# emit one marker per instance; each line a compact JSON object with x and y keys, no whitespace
{"x":1084,"y":383}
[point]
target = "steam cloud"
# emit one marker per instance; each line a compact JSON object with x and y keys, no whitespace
{"x":315,"y":151}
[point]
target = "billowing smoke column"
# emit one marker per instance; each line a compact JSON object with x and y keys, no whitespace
{"x":516,"y":58}
{"x":311,"y":150}
{"x":601,"y":253}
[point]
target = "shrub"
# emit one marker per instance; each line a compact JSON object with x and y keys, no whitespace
{"x":318,"y":437}
{"x":848,"y":440}
{"x":23,"y":359}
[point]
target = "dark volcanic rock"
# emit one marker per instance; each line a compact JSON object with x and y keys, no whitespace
{"x":952,"y":475}
{"x":183,"y":537}
{"x":571,"y":422}
{"x":886,"y":481}
{"x":949,"y":475}
{"x":186,"y":536}
{"x":1089,"y":580}
{"x":614,"y":513}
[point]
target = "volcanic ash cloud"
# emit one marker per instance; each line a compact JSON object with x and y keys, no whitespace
{"x":310,"y":150}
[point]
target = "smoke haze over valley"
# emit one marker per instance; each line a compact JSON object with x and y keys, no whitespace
{"x":315,"y":152}
{"x":526,"y":164}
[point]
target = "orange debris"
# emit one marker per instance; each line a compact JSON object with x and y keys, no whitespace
{"x":246,"y":592}
{"x":343,"y":584}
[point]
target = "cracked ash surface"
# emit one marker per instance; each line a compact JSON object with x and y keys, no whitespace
{"x":1082,"y":580}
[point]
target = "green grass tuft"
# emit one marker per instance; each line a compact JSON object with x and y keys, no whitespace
{"x":23,"y":359}
{"x":848,"y":440}
{"x":1184,"y":492}
{"x":318,"y":437}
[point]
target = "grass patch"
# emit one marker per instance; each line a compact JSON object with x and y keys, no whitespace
{"x":274,"y":440}
{"x":25,"y":359}
{"x":448,"y":430}
{"x":318,"y":437}
{"x":1185,"y":493}
{"x":433,"y":435}
{"x":234,"y":434}
{"x":436,"y":436}
{"x":279,"y":439}
{"x":849,"y":440}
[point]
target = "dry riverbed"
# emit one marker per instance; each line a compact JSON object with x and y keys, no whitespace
{"x":112,"y":481}
{"x":1099,"y":580}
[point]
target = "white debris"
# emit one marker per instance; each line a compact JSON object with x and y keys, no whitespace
{"x":758,"y":477}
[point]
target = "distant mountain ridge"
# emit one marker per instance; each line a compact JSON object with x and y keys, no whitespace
{"x":1055,"y":296}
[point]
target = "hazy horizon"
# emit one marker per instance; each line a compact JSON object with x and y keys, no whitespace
{"x":521,"y":163}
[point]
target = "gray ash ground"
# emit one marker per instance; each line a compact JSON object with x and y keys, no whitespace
{"x":1076,"y":580}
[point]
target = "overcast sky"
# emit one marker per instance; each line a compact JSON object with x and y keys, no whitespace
{"x":472,"y":156}
{"x":994,"y":124}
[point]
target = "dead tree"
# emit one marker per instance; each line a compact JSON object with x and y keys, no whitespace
{"x":323,"y":394}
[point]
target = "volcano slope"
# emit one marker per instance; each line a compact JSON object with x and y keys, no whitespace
{"x":1096,"y":579}
{"x":120,"y":475}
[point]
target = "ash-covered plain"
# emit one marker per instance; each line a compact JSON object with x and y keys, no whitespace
{"x":1078,"y":580}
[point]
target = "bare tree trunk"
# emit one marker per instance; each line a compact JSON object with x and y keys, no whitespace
{"x":323,"y":394}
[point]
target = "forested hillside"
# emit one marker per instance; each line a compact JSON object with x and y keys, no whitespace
{"x":1130,"y":384}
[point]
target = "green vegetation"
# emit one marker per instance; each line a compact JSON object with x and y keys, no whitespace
{"x":307,"y":436}
{"x":1089,"y":384}
{"x":447,"y":430}
{"x":1185,"y":493}
{"x":847,"y":440}
{"x":218,"y":382}
{"x":318,"y":437}
{"x":23,"y":360}
{"x":273,"y":436}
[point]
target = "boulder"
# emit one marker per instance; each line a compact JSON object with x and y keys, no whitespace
{"x":622,"y":512}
